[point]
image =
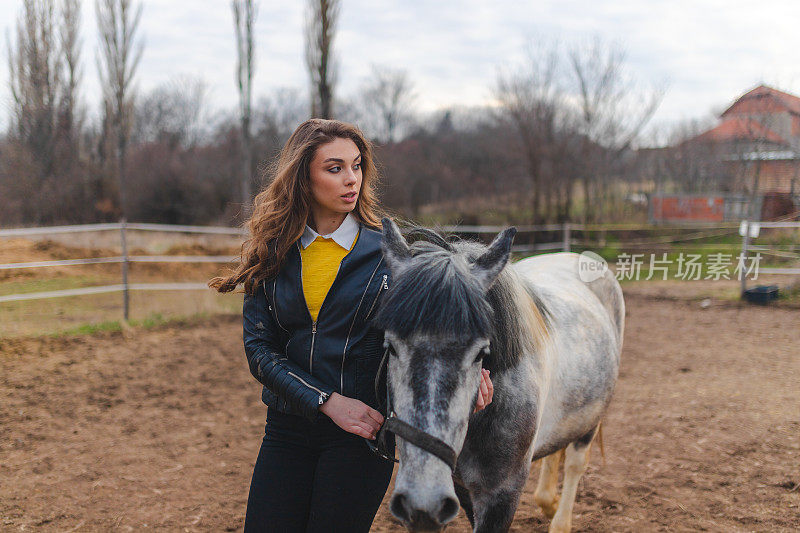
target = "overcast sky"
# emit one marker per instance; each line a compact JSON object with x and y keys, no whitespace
{"x":707,"y":52}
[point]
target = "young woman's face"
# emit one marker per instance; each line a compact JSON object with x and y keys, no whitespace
{"x":335,"y":172}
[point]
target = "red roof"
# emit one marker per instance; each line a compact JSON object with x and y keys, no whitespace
{"x":764,"y":99}
{"x":737,"y":129}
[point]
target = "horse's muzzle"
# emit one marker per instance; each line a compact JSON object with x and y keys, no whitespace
{"x":417,"y":518}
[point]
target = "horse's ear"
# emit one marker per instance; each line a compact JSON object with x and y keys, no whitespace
{"x":488,"y":266}
{"x":395,"y":247}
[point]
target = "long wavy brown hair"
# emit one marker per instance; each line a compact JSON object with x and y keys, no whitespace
{"x":282,"y":209}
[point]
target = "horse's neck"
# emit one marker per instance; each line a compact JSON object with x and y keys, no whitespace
{"x":529,"y":316}
{"x":524,"y":339}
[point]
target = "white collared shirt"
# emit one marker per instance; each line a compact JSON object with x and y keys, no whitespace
{"x":344,"y":235}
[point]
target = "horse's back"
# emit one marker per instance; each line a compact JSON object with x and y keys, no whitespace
{"x":586,"y":322}
{"x":559,"y":272}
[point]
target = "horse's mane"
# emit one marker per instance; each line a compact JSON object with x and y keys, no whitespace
{"x":436,"y":294}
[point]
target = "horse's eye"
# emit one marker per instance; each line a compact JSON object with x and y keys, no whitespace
{"x":483,"y":352}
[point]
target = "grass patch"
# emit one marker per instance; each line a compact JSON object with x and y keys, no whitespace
{"x":89,"y":329}
{"x":790,"y":293}
{"x":49,"y":284}
{"x":154,"y":320}
{"x":96,"y":313}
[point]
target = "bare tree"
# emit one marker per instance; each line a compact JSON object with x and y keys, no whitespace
{"x":319,"y":33}
{"x":613,"y":111}
{"x":577,"y":116}
{"x":45,"y":125}
{"x":172,"y":113}
{"x":748,"y":157}
{"x":70,"y":115}
{"x":530,"y":99}
{"x":276,"y":115}
{"x":34,"y":80}
{"x":244,"y":16}
{"x":685,"y":162}
{"x":388,"y":96}
{"x":120,"y":52}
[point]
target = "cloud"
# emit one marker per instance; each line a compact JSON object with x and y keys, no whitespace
{"x":709,"y":51}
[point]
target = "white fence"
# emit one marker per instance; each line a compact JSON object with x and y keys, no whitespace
{"x":565,"y":244}
{"x":125,"y":287}
{"x":746,"y":246}
{"x":125,"y":259}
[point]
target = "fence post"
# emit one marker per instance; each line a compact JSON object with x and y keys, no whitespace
{"x":567,"y":231}
{"x":124,"y":242}
{"x":745,"y":243}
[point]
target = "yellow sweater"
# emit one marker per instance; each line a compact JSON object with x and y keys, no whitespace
{"x":320,"y":264}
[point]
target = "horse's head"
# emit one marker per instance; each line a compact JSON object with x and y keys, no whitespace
{"x":438,"y":323}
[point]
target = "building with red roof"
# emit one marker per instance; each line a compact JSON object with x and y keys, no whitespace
{"x":758,"y":141}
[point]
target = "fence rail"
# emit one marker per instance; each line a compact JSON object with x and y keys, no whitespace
{"x":61,"y":262}
{"x":120,"y":259}
{"x":81,"y":228}
{"x":566,"y":243}
{"x":103,"y":289}
{"x":116,"y":226}
{"x":227,"y":230}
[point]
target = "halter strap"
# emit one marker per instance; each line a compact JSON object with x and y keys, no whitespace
{"x":423,"y":440}
{"x":402,"y":429}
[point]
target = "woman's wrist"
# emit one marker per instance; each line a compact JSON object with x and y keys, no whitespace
{"x":327,"y":405}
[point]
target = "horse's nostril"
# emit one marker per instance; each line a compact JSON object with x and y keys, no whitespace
{"x":422,"y":519}
{"x":448,"y":510}
{"x":398,"y":507}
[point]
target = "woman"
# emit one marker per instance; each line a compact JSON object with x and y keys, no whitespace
{"x":313,"y":273}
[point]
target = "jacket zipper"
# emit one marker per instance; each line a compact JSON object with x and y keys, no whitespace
{"x":311,"y":353}
{"x":322,"y":395}
{"x":384,"y":285}
{"x":347,"y":341}
{"x":314,"y":322}
{"x":274,"y":283}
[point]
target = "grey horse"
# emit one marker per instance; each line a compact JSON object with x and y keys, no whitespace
{"x":552,"y":343}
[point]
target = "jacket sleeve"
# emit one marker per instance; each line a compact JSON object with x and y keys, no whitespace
{"x":270,"y":366}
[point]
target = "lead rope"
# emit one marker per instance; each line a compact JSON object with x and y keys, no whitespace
{"x":383,"y":364}
{"x":382,"y":449}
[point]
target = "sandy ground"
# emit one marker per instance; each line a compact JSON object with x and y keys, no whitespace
{"x":159,"y":429}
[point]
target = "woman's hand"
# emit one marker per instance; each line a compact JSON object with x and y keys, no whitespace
{"x":486,"y":392}
{"x":353,"y":416}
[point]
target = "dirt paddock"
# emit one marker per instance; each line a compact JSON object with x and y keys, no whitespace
{"x":159,"y":429}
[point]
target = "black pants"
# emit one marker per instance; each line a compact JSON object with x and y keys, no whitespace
{"x":314,"y":476}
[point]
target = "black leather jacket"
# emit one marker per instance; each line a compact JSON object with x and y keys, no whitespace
{"x":301,"y":362}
